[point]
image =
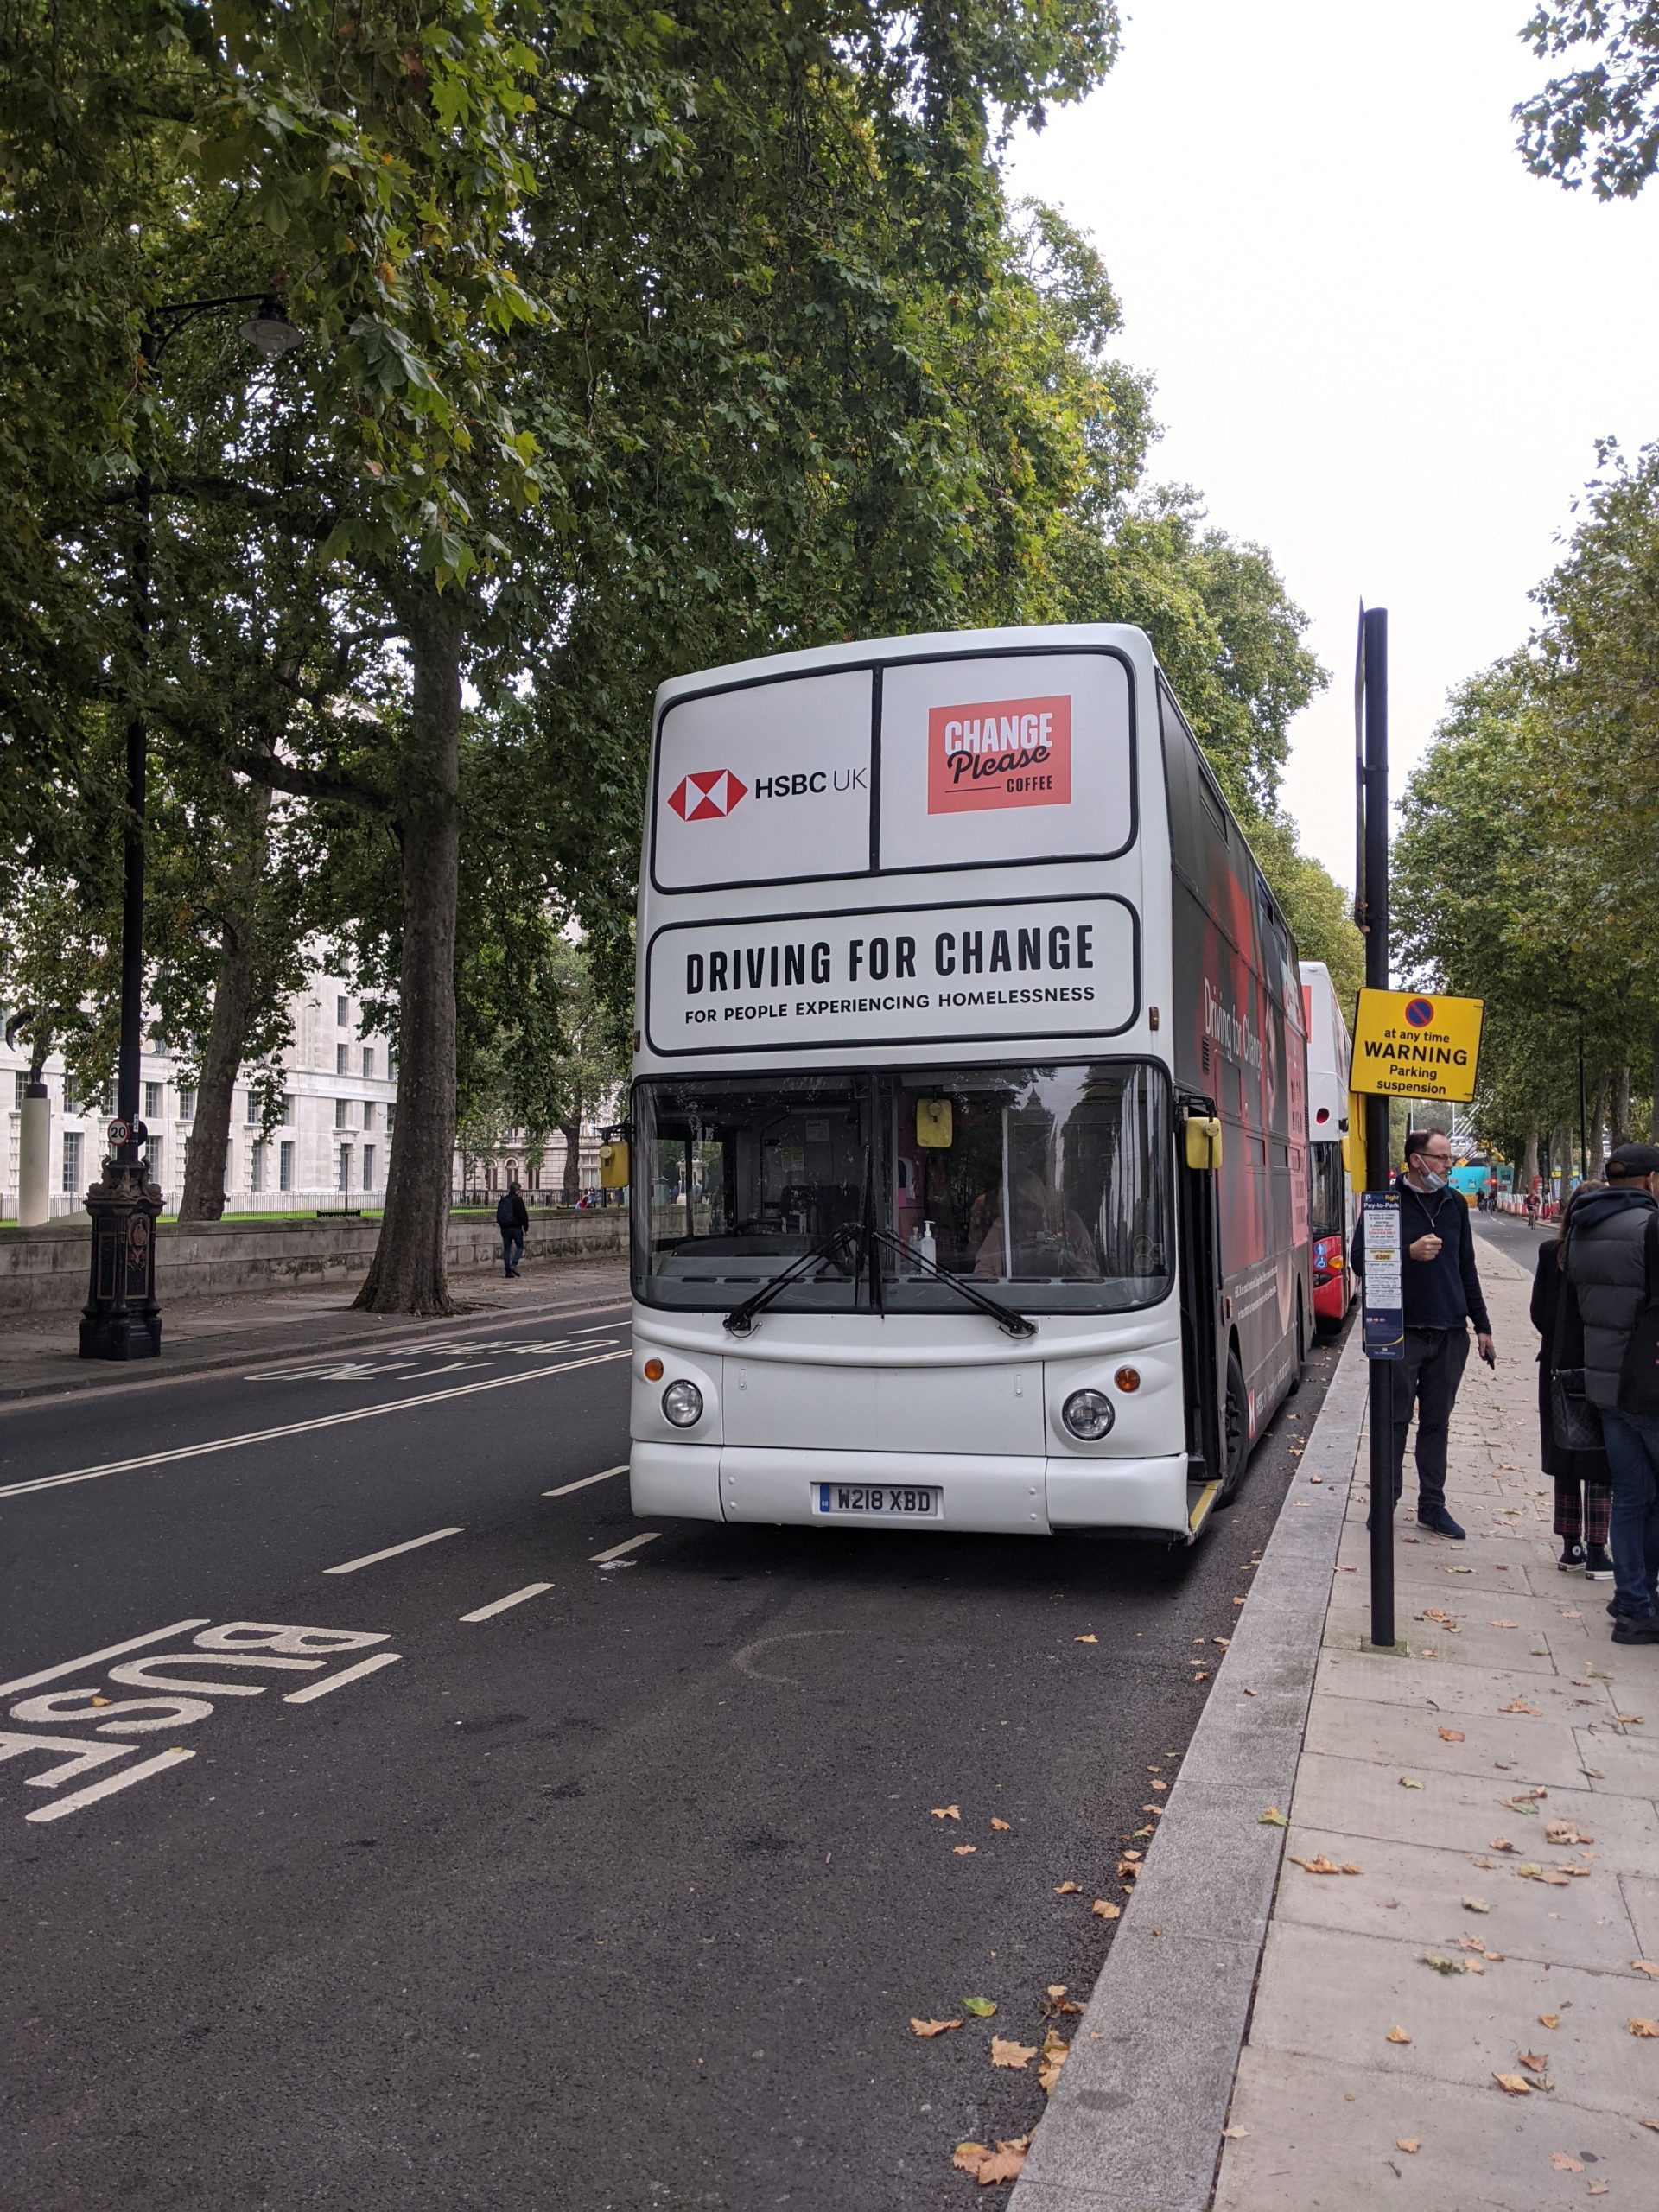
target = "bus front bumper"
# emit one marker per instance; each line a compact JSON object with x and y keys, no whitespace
{"x":1014,"y":1497}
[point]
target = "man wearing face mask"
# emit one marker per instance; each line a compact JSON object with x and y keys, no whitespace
{"x":1442,"y":1295}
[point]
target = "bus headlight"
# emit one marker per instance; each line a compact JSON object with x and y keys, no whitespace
{"x":683,"y":1404}
{"x":1088,"y":1415}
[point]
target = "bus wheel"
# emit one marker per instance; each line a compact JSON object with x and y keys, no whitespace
{"x":1237,"y":1436}
{"x":1301,"y":1350}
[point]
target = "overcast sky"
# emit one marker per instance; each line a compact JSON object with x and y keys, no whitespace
{"x":1382,"y":349}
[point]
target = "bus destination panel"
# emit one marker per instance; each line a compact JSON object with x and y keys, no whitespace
{"x":1061,"y":967}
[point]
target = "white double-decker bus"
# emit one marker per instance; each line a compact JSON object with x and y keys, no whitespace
{"x":967,"y":1135}
{"x":1333,"y":1208}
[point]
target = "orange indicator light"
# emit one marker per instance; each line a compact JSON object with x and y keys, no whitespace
{"x":1128,"y":1379}
{"x":654,"y":1371}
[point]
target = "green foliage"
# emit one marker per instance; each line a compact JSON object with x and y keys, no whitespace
{"x":1317,"y":908}
{"x":1598,"y":122}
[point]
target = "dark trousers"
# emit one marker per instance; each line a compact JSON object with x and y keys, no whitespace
{"x":1428,"y":1377}
{"x":1632,"y":1442}
{"x":512,"y":1248}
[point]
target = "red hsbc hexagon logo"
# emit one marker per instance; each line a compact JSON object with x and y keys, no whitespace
{"x":709,"y":796}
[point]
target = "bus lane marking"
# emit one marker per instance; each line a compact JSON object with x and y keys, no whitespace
{"x":299,"y":1427}
{"x":97,"y":1658}
{"x":173,"y":1696}
{"x":392,"y":1551}
{"x":500,"y":1605}
{"x":603,"y":1476}
{"x":632,"y":1544}
{"x":405,"y":1363}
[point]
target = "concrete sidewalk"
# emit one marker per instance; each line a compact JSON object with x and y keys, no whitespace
{"x":1492,"y":1797}
{"x":201,"y":1335}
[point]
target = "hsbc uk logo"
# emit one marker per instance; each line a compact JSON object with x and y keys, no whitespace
{"x":709,"y":796}
{"x":713,"y":794}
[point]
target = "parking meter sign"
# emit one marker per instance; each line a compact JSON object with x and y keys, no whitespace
{"x":1385,"y":1320}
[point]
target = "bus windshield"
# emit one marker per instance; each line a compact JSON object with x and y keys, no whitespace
{"x":1049,"y":1187}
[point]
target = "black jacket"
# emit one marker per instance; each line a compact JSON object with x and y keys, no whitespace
{"x":1606,"y":1265}
{"x":1548,"y":1286}
{"x":511,"y":1212}
{"x":1443,"y":1292}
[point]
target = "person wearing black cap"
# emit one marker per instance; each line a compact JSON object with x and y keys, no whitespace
{"x":1608,"y":1265}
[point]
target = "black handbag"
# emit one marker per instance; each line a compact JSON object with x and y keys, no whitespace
{"x":1575,"y":1420}
{"x":1638,"y":1371}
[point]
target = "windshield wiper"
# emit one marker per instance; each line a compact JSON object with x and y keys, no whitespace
{"x":1008,"y":1319}
{"x":740,"y":1319}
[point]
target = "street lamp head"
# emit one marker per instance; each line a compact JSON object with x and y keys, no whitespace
{"x":270,"y":331}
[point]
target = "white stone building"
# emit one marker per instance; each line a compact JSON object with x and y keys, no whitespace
{"x":331,"y":1148}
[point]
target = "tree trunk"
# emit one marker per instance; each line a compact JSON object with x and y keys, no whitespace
{"x":1597,"y":1130}
{"x":1564,"y":1154}
{"x":1622,"y":1104}
{"x":1530,"y":1160}
{"x":1653,"y":1124}
{"x":233,"y":989}
{"x":409,"y":1274}
{"x":571,"y":1132}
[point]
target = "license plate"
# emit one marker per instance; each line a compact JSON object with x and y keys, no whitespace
{"x":885,"y":1500}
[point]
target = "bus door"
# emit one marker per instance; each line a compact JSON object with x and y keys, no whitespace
{"x":1202,"y":1339}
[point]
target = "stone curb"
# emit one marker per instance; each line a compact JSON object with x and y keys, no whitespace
{"x":1134,"y":2121}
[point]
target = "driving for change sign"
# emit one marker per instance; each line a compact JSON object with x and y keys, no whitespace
{"x":1413,"y":1045}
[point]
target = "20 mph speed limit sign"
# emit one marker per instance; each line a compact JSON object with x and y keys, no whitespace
{"x":1409,"y":1044}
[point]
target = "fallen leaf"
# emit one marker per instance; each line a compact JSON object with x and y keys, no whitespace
{"x":1320,"y":1865}
{"x":1002,"y":1828}
{"x":1653,"y":2124}
{"x":1104,"y":1908}
{"x":964,"y":1850}
{"x":1452,"y":1735}
{"x":1571,"y":1617}
{"x":1500,"y":1843}
{"x":1563,"y":2165}
{"x":1069,"y":1889}
{"x":1406,"y":1782}
{"x":1085,"y":1639}
{"x":1534,"y":2061}
{"x":1502,"y":1624}
{"x":1272,"y":1818}
{"x":1005,"y":2163}
{"x":1489,"y":1866}
{"x":1057,"y":1989}
{"x":947,"y":1812}
{"x":1520,"y":1705}
{"x":1238,"y":1601}
{"x":1551,"y":2020}
{"x":981,"y":2007}
{"x":1599,"y":2188}
{"x":1351,"y":1869}
{"x":1476,"y":1904}
{"x":1056,"y":2051}
{"x":1646,"y":1966}
{"x":1398,"y":2035}
{"x":1201,"y":1677}
{"x":1226,"y":1642}
{"x":1514,"y":2085}
{"x":1236,"y":2134}
{"x":1460,"y":1570}
{"x":1158,"y":1785}
{"x":1645,"y":2028}
{"x":1630,"y":1719}
{"x":1016,"y":2056}
{"x":1409,"y":2143}
{"x":1249,"y":1693}
{"x":971,"y":2156}
{"x":1551,"y":1877}
{"x":1347,"y":1570}
{"x":932,"y":2027}
{"x":1564,"y":1832}
{"x":1440,"y":1963}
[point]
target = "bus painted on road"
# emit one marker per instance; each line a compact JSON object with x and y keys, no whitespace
{"x":1333,"y":1204}
{"x":967,"y":1126}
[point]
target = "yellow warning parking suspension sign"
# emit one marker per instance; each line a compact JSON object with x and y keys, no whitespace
{"x":1410,"y":1045}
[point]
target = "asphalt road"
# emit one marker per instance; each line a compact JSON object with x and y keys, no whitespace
{"x":613,"y":1898}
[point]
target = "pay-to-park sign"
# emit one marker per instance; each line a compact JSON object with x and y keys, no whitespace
{"x":1409,"y":1044}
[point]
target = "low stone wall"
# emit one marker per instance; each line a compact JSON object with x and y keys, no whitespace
{"x":44,"y":1269}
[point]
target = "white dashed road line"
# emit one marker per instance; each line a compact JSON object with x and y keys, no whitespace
{"x":301,"y":1427}
{"x":518,"y":1598}
{"x":97,"y":1658}
{"x":314,"y":1690}
{"x":598,"y":1558}
{"x":78,"y":1799}
{"x":392,"y":1551}
{"x":603,"y":1476}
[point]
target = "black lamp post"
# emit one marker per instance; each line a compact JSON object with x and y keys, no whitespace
{"x":122,"y":1318}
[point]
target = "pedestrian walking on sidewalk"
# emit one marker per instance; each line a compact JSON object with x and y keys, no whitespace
{"x":1442,"y":1295}
{"x":1583,"y":1483}
{"x":512,"y":1219}
{"x":1613,"y":1266}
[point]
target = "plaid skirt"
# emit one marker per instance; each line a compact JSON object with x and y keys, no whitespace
{"x":1584,"y":1524}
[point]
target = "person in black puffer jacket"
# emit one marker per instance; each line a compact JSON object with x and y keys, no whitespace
{"x":1583,"y":1485}
{"x":1607,"y":1267}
